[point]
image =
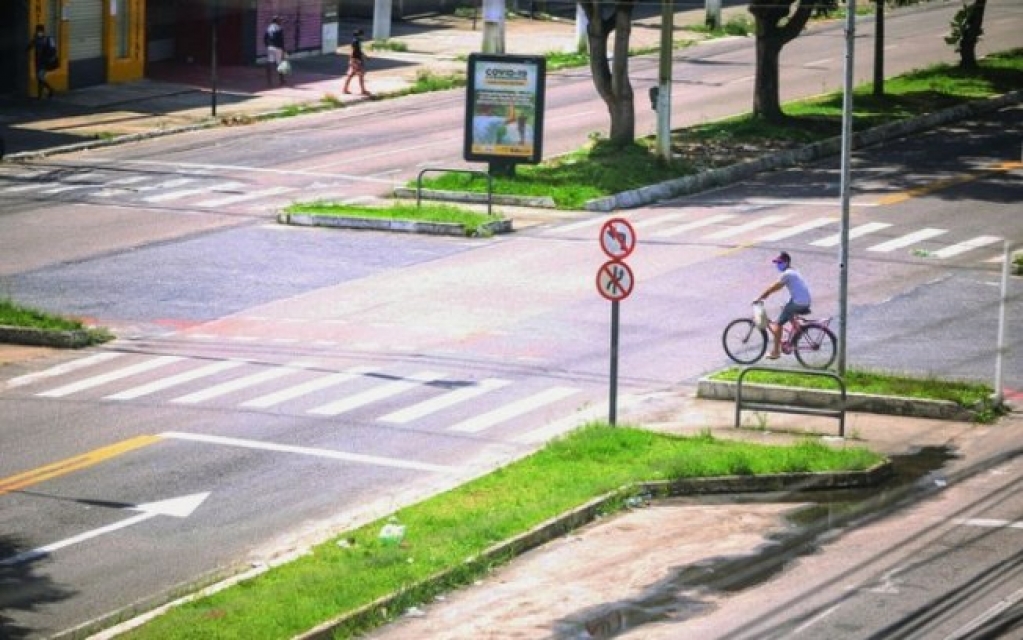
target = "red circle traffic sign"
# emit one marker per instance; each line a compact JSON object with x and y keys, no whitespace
{"x":617,"y":238}
{"x":615,"y":280}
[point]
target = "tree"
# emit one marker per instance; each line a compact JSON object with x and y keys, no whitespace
{"x":777,"y":23}
{"x":612,"y":79}
{"x":966,"y":32}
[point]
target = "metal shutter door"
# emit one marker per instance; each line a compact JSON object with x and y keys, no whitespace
{"x":86,"y":26}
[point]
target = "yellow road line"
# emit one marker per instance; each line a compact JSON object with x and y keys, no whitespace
{"x":938,"y":185}
{"x":75,"y":463}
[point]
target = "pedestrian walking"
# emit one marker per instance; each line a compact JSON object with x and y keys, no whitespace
{"x":46,"y":60}
{"x":273,"y":38}
{"x":357,"y":64}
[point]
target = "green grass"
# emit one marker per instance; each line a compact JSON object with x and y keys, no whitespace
{"x":598,"y":170}
{"x":449,"y":532}
{"x":13,"y":314}
{"x":971,"y":395}
{"x":471,"y":221}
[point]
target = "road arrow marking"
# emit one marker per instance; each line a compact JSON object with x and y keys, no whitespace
{"x":180,"y":507}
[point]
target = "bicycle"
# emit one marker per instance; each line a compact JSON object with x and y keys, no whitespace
{"x":813,"y":343}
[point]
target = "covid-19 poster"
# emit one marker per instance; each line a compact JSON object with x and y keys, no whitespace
{"x":504,"y":108}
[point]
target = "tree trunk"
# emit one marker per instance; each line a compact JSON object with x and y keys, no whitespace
{"x":612,"y":79}
{"x":972,"y":30}
{"x":775,"y":29}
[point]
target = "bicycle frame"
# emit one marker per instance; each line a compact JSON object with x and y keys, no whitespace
{"x":788,"y":331}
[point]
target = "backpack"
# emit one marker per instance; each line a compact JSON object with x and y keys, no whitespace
{"x":51,"y":61}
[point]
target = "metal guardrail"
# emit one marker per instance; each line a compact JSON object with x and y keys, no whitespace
{"x":780,"y":407}
{"x":490,"y":184}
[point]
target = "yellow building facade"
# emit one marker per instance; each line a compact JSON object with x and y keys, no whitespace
{"x":99,"y":41}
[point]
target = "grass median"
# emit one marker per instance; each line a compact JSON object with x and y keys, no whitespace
{"x":447,"y":535}
{"x":13,"y":314}
{"x":472,"y":223}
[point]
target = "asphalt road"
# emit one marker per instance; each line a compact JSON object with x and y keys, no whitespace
{"x":285,"y":381}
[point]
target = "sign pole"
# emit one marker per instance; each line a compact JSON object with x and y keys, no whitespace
{"x":612,"y":403}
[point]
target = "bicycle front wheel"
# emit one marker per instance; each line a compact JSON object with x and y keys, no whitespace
{"x":815,"y":346}
{"x":743,"y":341}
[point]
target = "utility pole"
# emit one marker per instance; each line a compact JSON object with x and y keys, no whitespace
{"x":847,"y":106}
{"x":664,"y":80}
{"x":493,"y":26}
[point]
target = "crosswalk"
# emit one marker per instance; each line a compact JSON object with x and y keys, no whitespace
{"x":390,"y":395}
{"x":198,"y":190}
{"x":709,"y":225}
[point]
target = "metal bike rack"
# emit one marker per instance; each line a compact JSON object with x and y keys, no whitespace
{"x":490,"y":184}
{"x":778,"y":407}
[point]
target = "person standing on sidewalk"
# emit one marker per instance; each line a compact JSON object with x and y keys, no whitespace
{"x":273,"y":38}
{"x":357,"y":64}
{"x":44,"y":49}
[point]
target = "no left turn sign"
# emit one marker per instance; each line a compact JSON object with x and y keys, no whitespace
{"x":614,"y":280}
{"x":617,"y":238}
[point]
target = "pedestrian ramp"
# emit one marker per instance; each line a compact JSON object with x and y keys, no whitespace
{"x":389,"y":395}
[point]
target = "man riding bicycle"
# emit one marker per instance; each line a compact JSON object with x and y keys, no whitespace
{"x":799,"y":299}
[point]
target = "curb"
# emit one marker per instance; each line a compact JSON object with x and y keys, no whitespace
{"x":32,"y":337}
{"x":784,"y":159}
{"x":569,"y":521}
{"x":382,"y":224}
{"x":540,"y":202}
{"x":824,"y":399}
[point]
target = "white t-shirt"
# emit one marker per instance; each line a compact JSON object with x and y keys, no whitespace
{"x":798,"y":291}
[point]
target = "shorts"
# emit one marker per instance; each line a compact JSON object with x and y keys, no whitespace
{"x":792,"y":309}
{"x":274,"y":55}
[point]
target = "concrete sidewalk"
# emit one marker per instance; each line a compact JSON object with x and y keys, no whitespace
{"x":178,"y":96}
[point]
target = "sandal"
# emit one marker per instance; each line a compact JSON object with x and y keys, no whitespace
{"x":773,"y":356}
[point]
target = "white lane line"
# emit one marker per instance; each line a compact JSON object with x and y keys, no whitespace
{"x":305,"y":388}
{"x":173,"y":381}
{"x":515,"y":409}
{"x":574,"y":421}
{"x":235,"y":385}
{"x":308,"y":451}
{"x":963,"y":247}
{"x":61,"y":369}
{"x":696,"y":224}
{"x":968,"y":630}
{"x":120,"y":374}
{"x":798,"y":229}
{"x":182,"y":193}
{"x":649,"y":222}
{"x":376,"y":393}
{"x":906,"y":240}
{"x":766,"y":221}
{"x":855,"y":232}
{"x":449,"y":399}
{"x":989,"y":523}
{"x":241,"y":197}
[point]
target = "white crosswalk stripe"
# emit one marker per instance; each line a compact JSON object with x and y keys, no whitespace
{"x":232,"y":386}
{"x":963,"y":247}
{"x":375,"y":394}
{"x":798,"y":229}
{"x":856,"y":232}
{"x":299,"y":390}
{"x":119,"y":374}
{"x":695,"y":224}
{"x":906,"y":240}
{"x":731,"y":232}
{"x":63,"y":369}
{"x":173,"y":381}
{"x":513,"y":410}
{"x":184,"y":193}
{"x":242,"y":197}
{"x":450,"y":399}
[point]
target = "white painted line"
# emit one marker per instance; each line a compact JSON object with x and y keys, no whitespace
{"x":963,"y":247}
{"x":766,"y":221}
{"x":515,"y":409}
{"x":574,"y":421}
{"x":282,"y":172}
{"x":305,"y":388}
{"x":906,"y":240}
{"x":61,"y":369}
{"x":989,"y":523}
{"x":582,"y":224}
{"x":969,"y":629}
{"x":308,"y":451}
{"x":696,"y":224}
{"x":242,"y":197}
{"x":120,"y":374}
{"x":377,"y":393}
{"x":656,"y":220}
{"x":855,"y":232}
{"x":173,"y":381}
{"x":798,"y":229}
{"x":26,"y":187}
{"x":107,"y":192}
{"x":235,"y":385}
{"x":67,"y":187}
{"x":182,"y":193}
{"x":166,"y":184}
{"x":443,"y":402}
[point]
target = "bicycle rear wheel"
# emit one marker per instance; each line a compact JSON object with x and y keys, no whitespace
{"x":815,"y":346}
{"x":743,"y":341}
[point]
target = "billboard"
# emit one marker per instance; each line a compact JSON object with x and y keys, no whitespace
{"x":504,"y":108}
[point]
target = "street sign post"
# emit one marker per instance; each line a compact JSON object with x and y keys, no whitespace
{"x":615,"y":282}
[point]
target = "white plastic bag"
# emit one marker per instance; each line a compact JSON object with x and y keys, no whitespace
{"x":284,"y":68}
{"x":759,"y":315}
